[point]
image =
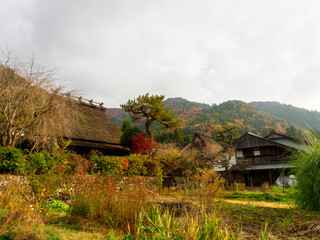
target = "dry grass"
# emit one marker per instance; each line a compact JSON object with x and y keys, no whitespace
{"x":108,"y":201}
{"x":18,"y":217}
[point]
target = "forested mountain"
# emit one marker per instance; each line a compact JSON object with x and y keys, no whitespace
{"x":231,"y":113}
{"x":203,"y":117}
{"x":298,"y":116}
{"x":117,"y":115}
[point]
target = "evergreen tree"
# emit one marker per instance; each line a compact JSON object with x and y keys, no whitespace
{"x":226,"y":135}
{"x":129,"y":133}
{"x":151,"y":108}
{"x":294,"y":132}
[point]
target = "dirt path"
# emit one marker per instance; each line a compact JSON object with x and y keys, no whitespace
{"x":260,"y":204}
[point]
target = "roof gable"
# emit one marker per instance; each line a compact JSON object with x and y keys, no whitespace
{"x":201,"y":141}
{"x":249,"y":140}
{"x":275,"y":135}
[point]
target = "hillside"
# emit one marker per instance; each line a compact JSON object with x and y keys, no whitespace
{"x":203,"y":117}
{"x":298,"y":116}
{"x":117,"y":115}
{"x":231,"y":113}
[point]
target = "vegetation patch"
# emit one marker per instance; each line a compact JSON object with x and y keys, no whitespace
{"x":276,"y":194}
{"x":281,"y":223}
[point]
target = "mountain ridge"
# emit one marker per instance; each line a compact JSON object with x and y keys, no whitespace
{"x":257,"y":117}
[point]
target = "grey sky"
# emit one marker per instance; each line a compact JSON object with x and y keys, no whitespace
{"x":205,"y":51}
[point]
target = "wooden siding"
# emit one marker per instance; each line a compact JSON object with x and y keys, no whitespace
{"x":250,"y":141}
{"x":259,"y":159}
{"x":267,"y":154}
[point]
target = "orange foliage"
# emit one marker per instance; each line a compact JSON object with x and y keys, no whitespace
{"x":124,"y":163}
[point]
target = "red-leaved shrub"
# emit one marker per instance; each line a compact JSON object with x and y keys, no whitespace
{"x":141,"y":144}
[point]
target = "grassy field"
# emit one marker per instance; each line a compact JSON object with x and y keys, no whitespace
{"x":175,"y":214}
{"x":281,"y":223}
{"x":237,"y":220}
{"x":274,"y":194}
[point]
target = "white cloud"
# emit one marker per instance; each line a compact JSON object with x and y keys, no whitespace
{"x":205,"y":51}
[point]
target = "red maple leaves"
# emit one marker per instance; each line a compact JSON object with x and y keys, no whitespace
{"x":141,"y":144}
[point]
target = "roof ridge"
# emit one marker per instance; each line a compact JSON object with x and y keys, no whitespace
{"x":283,"y":135}
{"x":204,"y":134}
{"x":85,"y":101}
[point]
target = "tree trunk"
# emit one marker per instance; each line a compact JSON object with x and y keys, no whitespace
{"x":149,"y":134}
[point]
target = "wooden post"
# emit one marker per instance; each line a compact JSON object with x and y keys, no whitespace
{"x":270,"y":176}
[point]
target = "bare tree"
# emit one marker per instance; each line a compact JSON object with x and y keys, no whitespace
{"x":202,"y":157}
{"x":223,"y":159}
{"x":31,"y":106}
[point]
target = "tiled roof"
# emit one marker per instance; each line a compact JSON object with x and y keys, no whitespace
{"x":262,"y":166}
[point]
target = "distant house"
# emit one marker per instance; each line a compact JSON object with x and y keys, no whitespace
{"x":201,"y":142}
{"x":203,"y":146}
{"x":260,"y":160}
{"x":94,"y":131}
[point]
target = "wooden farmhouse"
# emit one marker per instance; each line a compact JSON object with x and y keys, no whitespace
{"x":260,"y":160}
{"x":94,"y":131}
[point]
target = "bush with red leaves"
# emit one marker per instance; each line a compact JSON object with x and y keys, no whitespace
{"x":141,"y":144}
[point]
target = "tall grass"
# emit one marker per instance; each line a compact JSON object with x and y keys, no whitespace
{"x":18,"y":218}
{"x":105,"y":200}
{"x":308,"y":174}
{"x":157,"y":224}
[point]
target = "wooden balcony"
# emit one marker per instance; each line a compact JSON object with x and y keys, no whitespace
{"x":259,"y":159}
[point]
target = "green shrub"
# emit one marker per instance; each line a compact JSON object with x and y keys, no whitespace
{"x":136,"y":165}
{"x":10,"y":159}
{"x":57,"y":205}
{"x":47,"y":186}
{"x":255,"y":196}
{"x":93,"y":158}
{"x":307,"y":172}
{"x":40,"y":163}
{"x":109,"y":165}
{"x":72,"y":163}
{"x":170,"y":160}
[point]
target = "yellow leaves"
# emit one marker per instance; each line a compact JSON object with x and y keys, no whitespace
{"x":239,"y":122}
{"x":63,"y":146}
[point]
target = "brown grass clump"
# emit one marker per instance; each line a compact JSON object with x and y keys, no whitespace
{"x":111,"y":202}
{"x":18,"y":217}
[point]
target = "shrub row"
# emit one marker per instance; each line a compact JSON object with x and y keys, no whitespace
{"x":17,"y":161}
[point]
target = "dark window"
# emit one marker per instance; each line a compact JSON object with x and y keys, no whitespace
{"x":248,"y":152}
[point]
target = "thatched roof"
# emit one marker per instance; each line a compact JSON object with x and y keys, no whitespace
{"x":93,"y":129}
{"x":94,"y":125}
{"x":202,"y":142}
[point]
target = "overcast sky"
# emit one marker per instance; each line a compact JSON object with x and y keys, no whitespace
{"x":204,"y":51}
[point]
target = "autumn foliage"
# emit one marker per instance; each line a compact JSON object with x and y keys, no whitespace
{"x":141,"y":144}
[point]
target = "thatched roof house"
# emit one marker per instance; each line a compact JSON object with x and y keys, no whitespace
{"x":202,"y":143}
{"x":94,"y":131}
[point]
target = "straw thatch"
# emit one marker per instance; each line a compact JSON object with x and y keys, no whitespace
{"x":94,"y":130}
{"x":202,"y":143}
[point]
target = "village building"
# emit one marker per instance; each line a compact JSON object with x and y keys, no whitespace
{"x":263,"y":159}
{"x":202,"y":144}
{"x":203,"y":148}
{"x":94,"y":131}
